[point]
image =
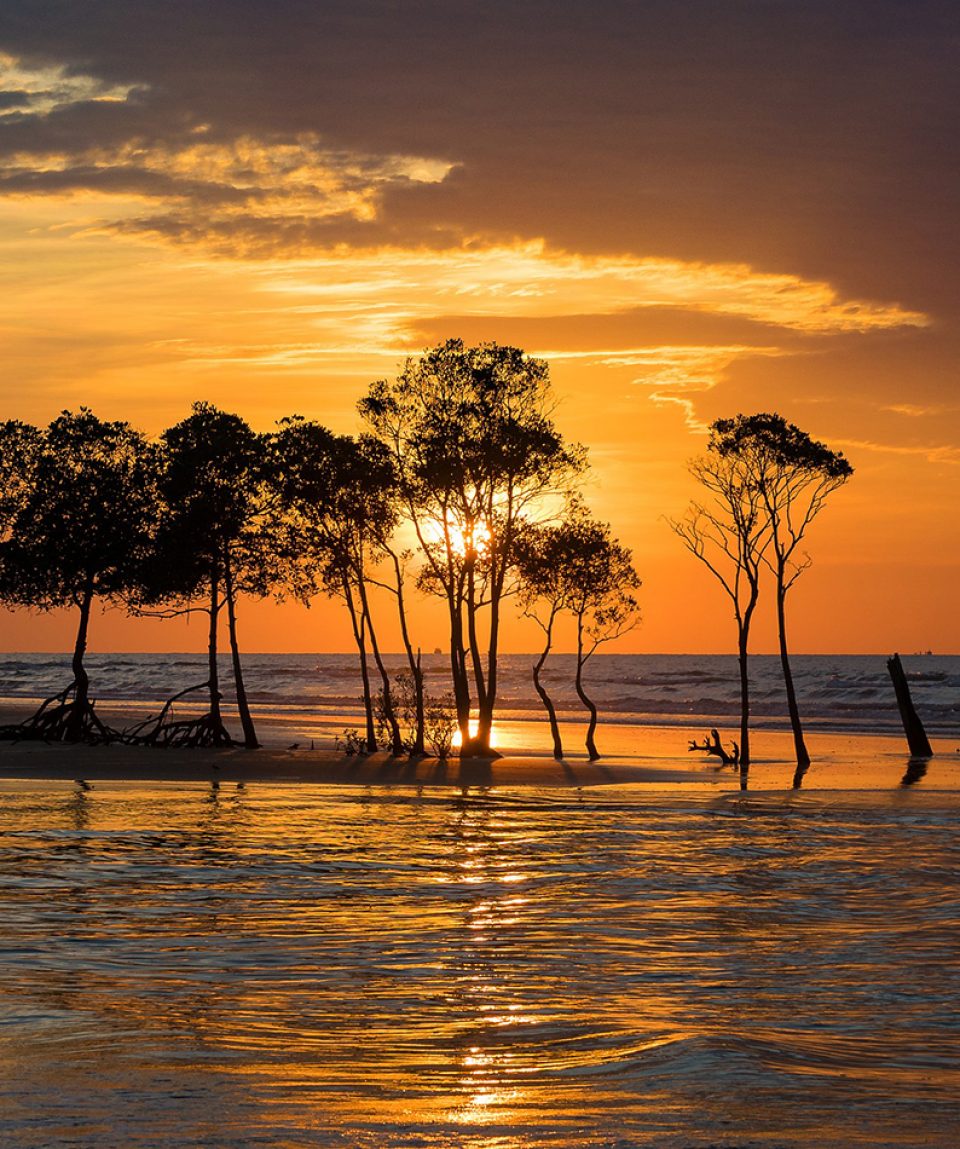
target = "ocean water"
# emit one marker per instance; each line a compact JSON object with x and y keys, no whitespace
{"x":837,"y":692}
{"x":290,"y":966}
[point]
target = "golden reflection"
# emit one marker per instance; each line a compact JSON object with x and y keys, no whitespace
{"x":494,"y":738}
{"x":496,"y":1058}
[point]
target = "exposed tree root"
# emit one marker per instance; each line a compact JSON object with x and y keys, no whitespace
{"x":62,"y":718}
{"x":159,"y":730}
{"x":714,"y":747}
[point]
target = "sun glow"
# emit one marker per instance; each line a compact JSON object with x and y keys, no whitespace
{"x":494,"y":740}
{"x":463,"y":540}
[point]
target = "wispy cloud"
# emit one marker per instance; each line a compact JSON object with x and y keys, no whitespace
{"x":30,"y":91}
{"x":532,"y":279}
{"x":932,"y":452}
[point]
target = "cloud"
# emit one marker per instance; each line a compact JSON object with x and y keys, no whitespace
{"x":244,"y":196}
{"x":815,"y":138}
{"x":931,"y":452}
{"x":681,"y":316}
{"x":726,"y":189}
{"x":30,"y":91}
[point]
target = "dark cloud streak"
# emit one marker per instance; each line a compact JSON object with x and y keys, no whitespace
{"x":818,"y":138}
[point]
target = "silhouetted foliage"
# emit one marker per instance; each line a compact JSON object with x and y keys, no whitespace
{"x":424,"y":718}
{"x":20,"y":445}
{"x":577,"y":567}
{"x":794,"y":475}
{"x":476,"y":454}
{"x":75,"y":515}
{"x":729,"y":533}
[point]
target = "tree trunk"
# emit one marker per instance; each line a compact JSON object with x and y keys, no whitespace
{"x":475,"y":658}
{"x":73,"y":731}
{"x":419,"y":749}
{"x":243,"y":708}
{"x":419,"y":744}
{"x":913,"y":728}
{"x":800,"y":747}
{"x":359,"y":637}
{"x":213,"y":670}
{"x":592,"y":752}
{"x":458,"y":670}
{"x":744,"y":704}
{"x":396,"y":738}
{"x":546,"y":700}
{"x":486,"y":708}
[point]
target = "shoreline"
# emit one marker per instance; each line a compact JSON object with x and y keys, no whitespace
{"x":656,"y":758}
{"x":653,"y":755}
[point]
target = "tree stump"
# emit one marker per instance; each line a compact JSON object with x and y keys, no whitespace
{"x":913,"y":728}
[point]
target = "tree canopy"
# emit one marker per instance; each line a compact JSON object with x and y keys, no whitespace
{"x":478,"y":456}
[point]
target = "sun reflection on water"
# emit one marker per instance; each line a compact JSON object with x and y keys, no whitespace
{"x":371,"y":969}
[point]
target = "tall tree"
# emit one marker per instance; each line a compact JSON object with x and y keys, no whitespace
{"x":336,"y":499}
{"x":78,"y":505}
{"x":576,"y":566}
{"x":477,"y":456}
{"x":794,"y":475}
{"x":601,"y":584}
{"x":729,"y":533}
{"x":210,"y":544}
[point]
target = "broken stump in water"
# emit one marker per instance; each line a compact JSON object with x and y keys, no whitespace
{"x":913,"y":728}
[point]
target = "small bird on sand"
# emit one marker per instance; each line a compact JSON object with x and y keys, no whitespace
{"x":294,"y":746}
{"x":83,"y":784}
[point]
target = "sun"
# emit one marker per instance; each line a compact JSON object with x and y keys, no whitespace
{"x":464,"y":540}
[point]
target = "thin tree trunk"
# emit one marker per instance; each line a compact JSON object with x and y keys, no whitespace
{"x":419,"y":748}
{"x":81,"y":681}
{"x":243,"y":708}
{"x":744,"y":705}
{"x":419,"y":744}
{"x":458,"y":669}
{"x":592,"y":751}
{"x":359,"y":637}
{"x":213,"y":670}
{"x":475,"y":658}
{"x":485,"y":711}
{"x":800,"y":746}
{"x":544,"y":697}
{"x":396,"y":738}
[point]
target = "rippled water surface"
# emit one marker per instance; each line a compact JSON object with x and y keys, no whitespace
{"x":290,"y":966}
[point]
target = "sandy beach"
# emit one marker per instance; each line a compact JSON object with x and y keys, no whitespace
{"x":651,"y":755}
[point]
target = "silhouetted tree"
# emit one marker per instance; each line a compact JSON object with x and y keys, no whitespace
{"x":794,"y":475}
{"x":541,"y":554}
{"x":336,"y":497}
{"x":600,"y":595}
{"x":577,"y":567}
{"x":477,"y":455}
{"x":211,"y":542}
{"x":729,"y":534}
{"x":77,"y":509}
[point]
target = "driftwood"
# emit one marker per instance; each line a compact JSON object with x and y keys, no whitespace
{"x":713,"y":746}
{"x":62,"y":718}
{"x":208,"y":730}
{"x":913,"y":728}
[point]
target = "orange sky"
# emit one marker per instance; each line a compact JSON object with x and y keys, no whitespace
{"x":741,"y":207}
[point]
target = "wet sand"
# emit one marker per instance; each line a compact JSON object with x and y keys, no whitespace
{"x":651,"y":755}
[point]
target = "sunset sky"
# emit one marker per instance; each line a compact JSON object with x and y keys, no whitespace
{"x":691,"y":209}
